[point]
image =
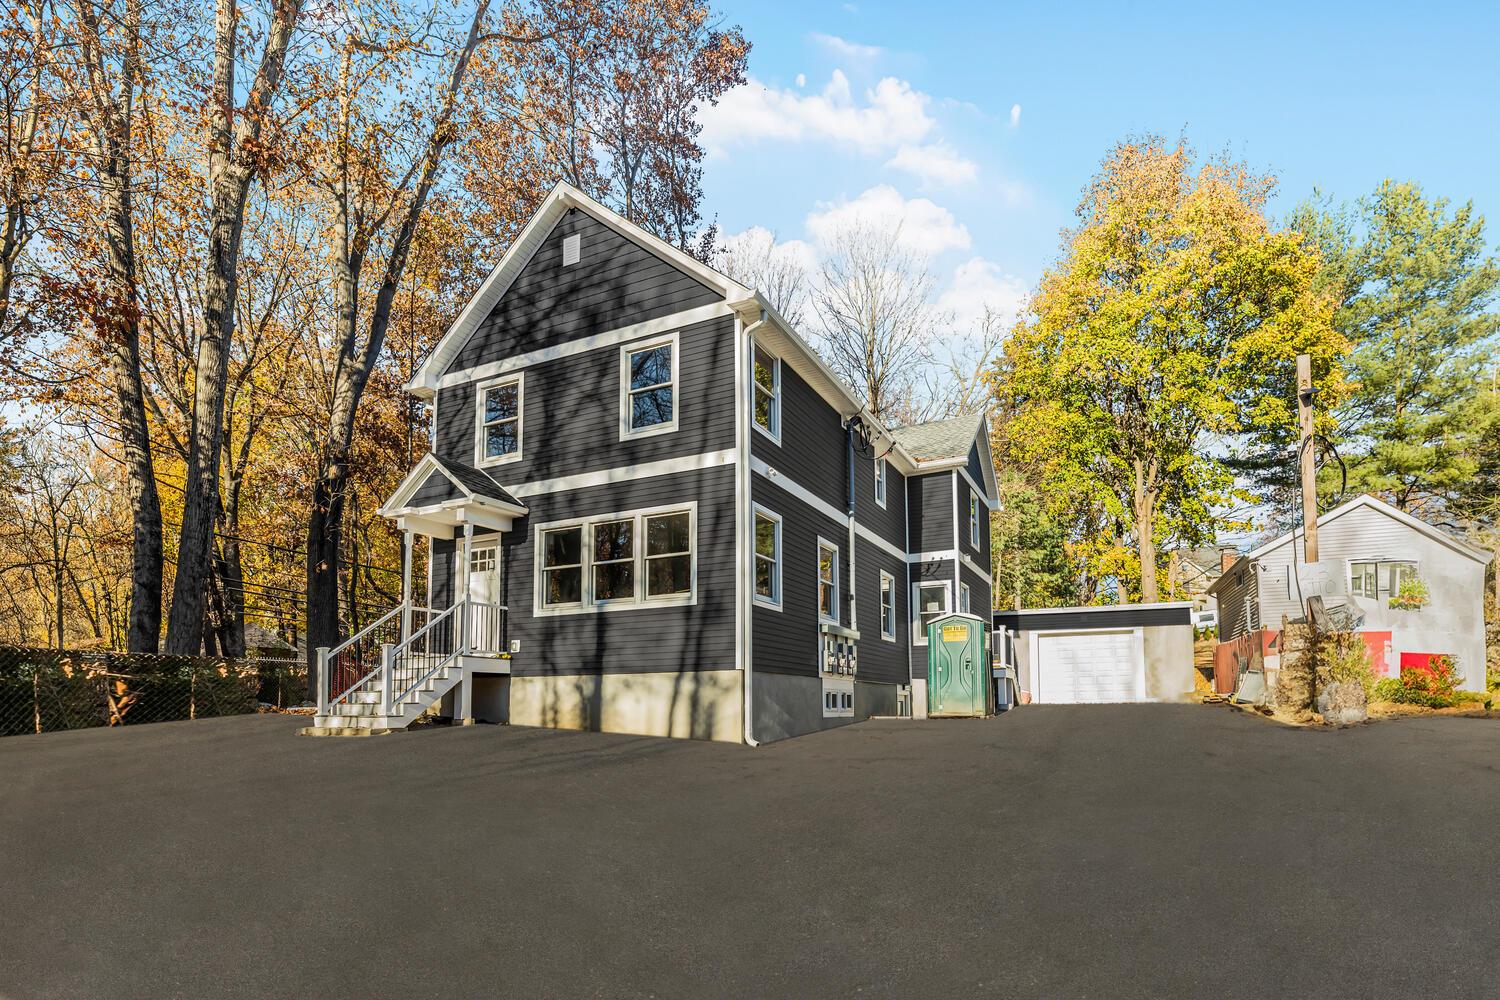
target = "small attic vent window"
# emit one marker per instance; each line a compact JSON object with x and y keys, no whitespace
{"x":570,"y":250}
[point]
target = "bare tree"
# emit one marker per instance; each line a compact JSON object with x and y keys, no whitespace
{"x":875,"y":299}
{"x":755,"y":260}
{"x":954,"y":381}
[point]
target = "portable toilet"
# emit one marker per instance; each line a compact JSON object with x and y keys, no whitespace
{"x":958,"y":667}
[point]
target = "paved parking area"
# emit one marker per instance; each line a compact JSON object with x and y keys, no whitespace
{"x":1128,"y":851}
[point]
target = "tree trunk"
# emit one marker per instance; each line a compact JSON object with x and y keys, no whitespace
{"x":232,"y":138}
{"x":1145,"y":530}
{"x":324,"y":536}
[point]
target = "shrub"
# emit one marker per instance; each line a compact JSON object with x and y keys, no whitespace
{"x":1435,"y":686}
{"x":1411,"y":596}
{"x":1344,"y":658}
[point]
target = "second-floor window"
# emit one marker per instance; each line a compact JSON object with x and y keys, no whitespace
{"x":880,"y":481}
{"x":648,"y":392}
{"x":767,"y":392}
{"x":500,"y":421}
{"x":973,"y":520}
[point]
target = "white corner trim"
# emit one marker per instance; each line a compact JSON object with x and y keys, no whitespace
{"x":796,"y":489}
{"x":609,"y":338}
{"x":624,"y":473}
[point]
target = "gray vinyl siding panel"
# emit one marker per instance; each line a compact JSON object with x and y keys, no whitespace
{"x":930,"y":512}
{"x":881,"y":660}
{"x":976,"y":465}
{"x":638,"y":639}
{"x":889,"y":522}
{"x":616,"y":283}
{"x":980,"y":590}
{"x":786,"y":641}
{"x":812,"y":450}
{"x":978,"y":552}
{"x":570,"y":419}
{"x":437,"y":489}
{"x":1231,"y":603}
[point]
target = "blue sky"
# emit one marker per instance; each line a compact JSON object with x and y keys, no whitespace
{"x":980,"y":123}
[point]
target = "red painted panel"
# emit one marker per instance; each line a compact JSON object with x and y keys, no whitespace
{"x":1377,"y":643}
{"x":1418,"y":661}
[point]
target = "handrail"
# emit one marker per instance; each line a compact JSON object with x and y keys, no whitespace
{"x":403,"y":652}
{"x":335,"y":650}
{"x":328,"y":657}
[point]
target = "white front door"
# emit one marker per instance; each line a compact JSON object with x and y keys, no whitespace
{"x":1090,"y":668}
{"x":482,"y":588}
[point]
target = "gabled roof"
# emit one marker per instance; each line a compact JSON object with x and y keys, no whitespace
{"x":1364,"y":501}
{"x":475,"y":485}
{"x":558,"y":202}
{"x":940,"y":440}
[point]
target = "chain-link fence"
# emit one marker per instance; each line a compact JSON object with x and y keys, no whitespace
{"x":45,"y":690}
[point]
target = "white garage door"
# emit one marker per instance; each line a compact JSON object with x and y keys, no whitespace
{"x":1090,"y":667}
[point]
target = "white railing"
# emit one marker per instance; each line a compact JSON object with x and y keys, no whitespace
{"x":402,"y":663}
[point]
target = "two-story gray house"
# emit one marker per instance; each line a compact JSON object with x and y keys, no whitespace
{"x":651,"y":508}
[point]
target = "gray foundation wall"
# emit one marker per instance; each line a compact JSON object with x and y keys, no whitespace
{"x":787,"y":705}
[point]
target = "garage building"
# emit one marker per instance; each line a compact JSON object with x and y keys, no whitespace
{"x":1121,"y":653}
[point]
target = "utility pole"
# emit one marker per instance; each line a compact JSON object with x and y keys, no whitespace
{"x":1307,"y":453}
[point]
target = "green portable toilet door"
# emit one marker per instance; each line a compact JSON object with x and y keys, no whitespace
{"x":955,"y":667}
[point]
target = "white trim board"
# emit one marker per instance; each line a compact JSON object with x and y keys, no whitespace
{"x":624,"y":473}
{"x":820,"y":505}
{"x":583,"y":345}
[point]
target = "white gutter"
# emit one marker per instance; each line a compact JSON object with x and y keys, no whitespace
{"x":746,"y":364}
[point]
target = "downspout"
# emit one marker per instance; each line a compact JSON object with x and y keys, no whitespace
{"x":746,"y":364}
{"x":849,"y":463}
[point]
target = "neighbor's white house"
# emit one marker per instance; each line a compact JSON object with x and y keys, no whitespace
{"x":1366,"y":548}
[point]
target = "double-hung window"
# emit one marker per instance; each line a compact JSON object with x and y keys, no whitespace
{"x":767,"y":392}
{"x":648,"y":389}
{"x":932,"y":603}
{"x":499,"y":437}
{"x":617,"y":560}
{"x":887,"y":606}
{"x":880,"y":481}
{"x":828,"y":581}
{"x":965,"y":599}
{"x":974,"y":520}
{"x":767,"y":557}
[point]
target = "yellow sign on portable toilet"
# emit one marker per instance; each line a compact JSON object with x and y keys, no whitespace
{"x":958,"y":667}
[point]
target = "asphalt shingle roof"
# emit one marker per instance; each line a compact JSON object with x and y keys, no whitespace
{"x":939,"y":439}
{"x":477,"y":482}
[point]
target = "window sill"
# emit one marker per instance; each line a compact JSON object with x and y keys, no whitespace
{"x":612,"y":606}
{"x":775,"y":438}
{"x":767,"y":603}
{"x":485,"y":463}
{"x":644,"y":432}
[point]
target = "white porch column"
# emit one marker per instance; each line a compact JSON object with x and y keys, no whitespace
{"x":463,"y":582}
{"x":407,"y":541}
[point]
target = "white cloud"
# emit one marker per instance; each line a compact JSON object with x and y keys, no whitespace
{"x":847,"y":51}
{"x":936,"y":164}
{"x":1015,"y":115}
{"x":801,"y":79}
{"x":926,"y":227}
{"x":759,"y":242}
{"x":850,"y":8}
{"x":978,"y":283}
{"x":892,"y":115}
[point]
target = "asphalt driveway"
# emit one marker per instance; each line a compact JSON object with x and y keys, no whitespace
{"x":1130,"y":851}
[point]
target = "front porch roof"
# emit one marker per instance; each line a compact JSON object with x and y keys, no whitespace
{"x":439,"y":496}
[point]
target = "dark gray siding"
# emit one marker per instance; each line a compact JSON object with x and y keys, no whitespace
{"x":979,"y":553}
{"x":930,"y":511}
{"x":976,"y":466}
{"x":786,"y":641}
{"x":438,"y":489}
{"x":880,"y":660}
{"x":571,"y":411}
{"x":981,"y":590}
{"x":888,"y":522}
{"x":697,"y":637}
{"x":938,"y":570}
{"x":812,"y":450}
{"x":615,"y":283}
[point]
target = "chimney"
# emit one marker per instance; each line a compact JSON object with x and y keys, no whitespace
{"x":1227,"y":557}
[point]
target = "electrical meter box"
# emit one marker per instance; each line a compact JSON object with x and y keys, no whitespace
{"x":958,"y":667}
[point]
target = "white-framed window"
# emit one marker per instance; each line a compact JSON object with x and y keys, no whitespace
{"x":1375,"y":579}
{"x":648,"y":387}
{"x":631,"y":559}
{"x":767,"y":557}
{"x":965,"y":599}
{"x":929,"y":601}
{"x":880,"y":476}
{"x":887,"y":606}
{"x":828,"y":581}
{"x":766,"y":372}
{"x":974,"y":520}
{"x":497,"y":437}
